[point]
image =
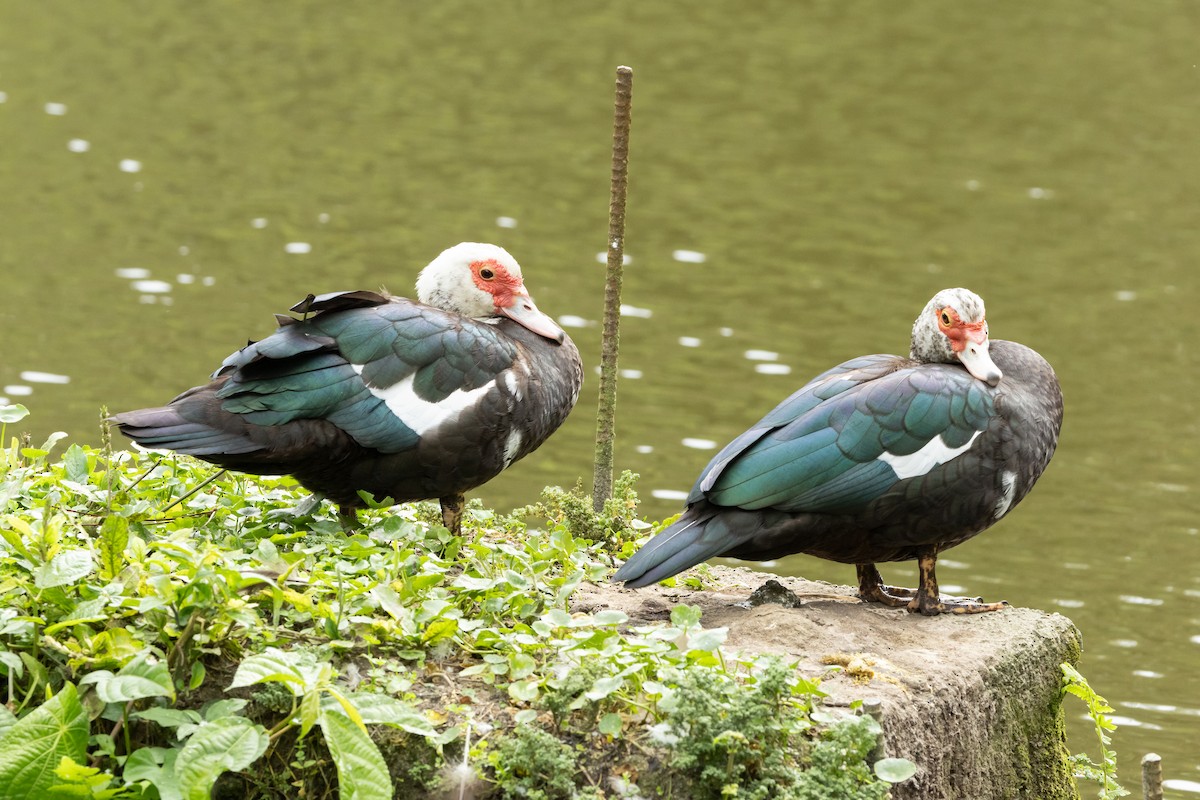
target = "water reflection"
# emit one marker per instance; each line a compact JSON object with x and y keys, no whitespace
{"x":55,"y":109}
{"x":1178,"y":785}
{"x":150,"y":286}
{"x":573,"y":321}
{"x":699,"y":444}
{"x":297,"y":248}
{"x":130,"y":165}
{"x":772,"y":369}
{"x":79,"y":145}
{"x":1134,"y":600}
{"x":689,"y":256}
{"x":34,"y":376}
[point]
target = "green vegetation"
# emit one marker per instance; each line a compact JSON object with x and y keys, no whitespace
{"x":1098,"y":709}
{"x":170,"y":633}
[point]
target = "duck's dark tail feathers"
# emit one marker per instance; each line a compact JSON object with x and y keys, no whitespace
{"x":191,"y":424}
{"x":697,"y":536}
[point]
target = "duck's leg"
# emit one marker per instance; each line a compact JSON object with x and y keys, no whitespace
{"x":348,"y":518}
{"x":871,"y":588}
{"x":930,"y":602}
{"x":452,"y":508}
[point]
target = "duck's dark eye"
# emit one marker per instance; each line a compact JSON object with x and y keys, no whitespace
{"x":486,"y":274}
{"x":945,"y":318}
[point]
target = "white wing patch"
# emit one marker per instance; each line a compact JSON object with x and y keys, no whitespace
{"x":935,"y":452}
{"x":1008,"y":488}
{"x":514,"y":388}
{"x":419,"y":414}
{"x":512,"y":447}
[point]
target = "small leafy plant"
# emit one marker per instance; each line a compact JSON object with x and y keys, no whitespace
{"x":1104,"y":773}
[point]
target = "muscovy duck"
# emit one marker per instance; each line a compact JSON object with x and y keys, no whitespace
{"x":402,"y":399}
{"x":881,"y":458}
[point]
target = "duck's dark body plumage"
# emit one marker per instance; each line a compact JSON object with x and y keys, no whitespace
{"x":374,"y":393}
{"x":831,"y":471}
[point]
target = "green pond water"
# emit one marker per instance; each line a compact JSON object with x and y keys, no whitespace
{"x":804,"y":176}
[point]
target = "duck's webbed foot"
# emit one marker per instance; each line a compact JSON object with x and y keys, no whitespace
{"x":926,"y":599}
{"x":452,"y":510}
{"x":930,"y":602}
{"x":872,"y":589}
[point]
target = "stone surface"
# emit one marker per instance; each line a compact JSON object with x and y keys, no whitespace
{"x":973,"y":700}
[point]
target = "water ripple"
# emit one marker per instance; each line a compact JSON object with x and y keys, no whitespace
{"x":689,"y":256}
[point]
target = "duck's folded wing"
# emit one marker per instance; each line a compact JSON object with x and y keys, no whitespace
{"x":848,"y":437}
{"x":381,"y":370}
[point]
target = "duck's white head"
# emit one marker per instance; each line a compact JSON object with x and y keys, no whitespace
{"x":481,"y":281}
{"x":953,"y":327}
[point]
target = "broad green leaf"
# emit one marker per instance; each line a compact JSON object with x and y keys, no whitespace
{"x":33,"y":747}
{"x":439,"y":629}
{"x":708,"y":639}
{"x":297,"y":670}
{"x":113,"y":539}
{"x":474,"y":584}
{"x":13,"y":662}
{"x":168,"y":717}
{"x":76,"y":462}
{"x":362,"y":772}
{"x":224,"y":708}
{"x":52,"y":440}
{"x":13,"y":413}
{"x":7,"y":719}
{"x":156,"y":765}
{"x":520,"y":665}
{"x":309,"y":707}
{"x":610,"y":616}
{"x":389,"y":601}
{"x":895,"y":770}
{"x":610,"y":724}
{"x":384,"y":709}
{"x":197,"y":676}
{"x":16,"y":531}
{"x":137,"y":679}
{"x":69,"y":566}
{"x":558,"y":618}
{"x":604,"y":687}
{"x":525,"y":691}
{"x":229,"y":744}
{"x":93,"y":610}
{"x":525,"y":716}
{"x":685,"y":616}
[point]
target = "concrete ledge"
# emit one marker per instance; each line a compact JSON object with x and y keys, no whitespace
{"x":972,"y":700}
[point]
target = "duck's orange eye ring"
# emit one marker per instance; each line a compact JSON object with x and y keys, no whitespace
{"x":487,"y":274}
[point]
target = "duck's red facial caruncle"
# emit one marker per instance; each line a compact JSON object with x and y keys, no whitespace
{"x":511,"y":298}
{"x":969,"y":341}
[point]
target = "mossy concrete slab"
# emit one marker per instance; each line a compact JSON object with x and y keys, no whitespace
{"x":973,"y":700}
